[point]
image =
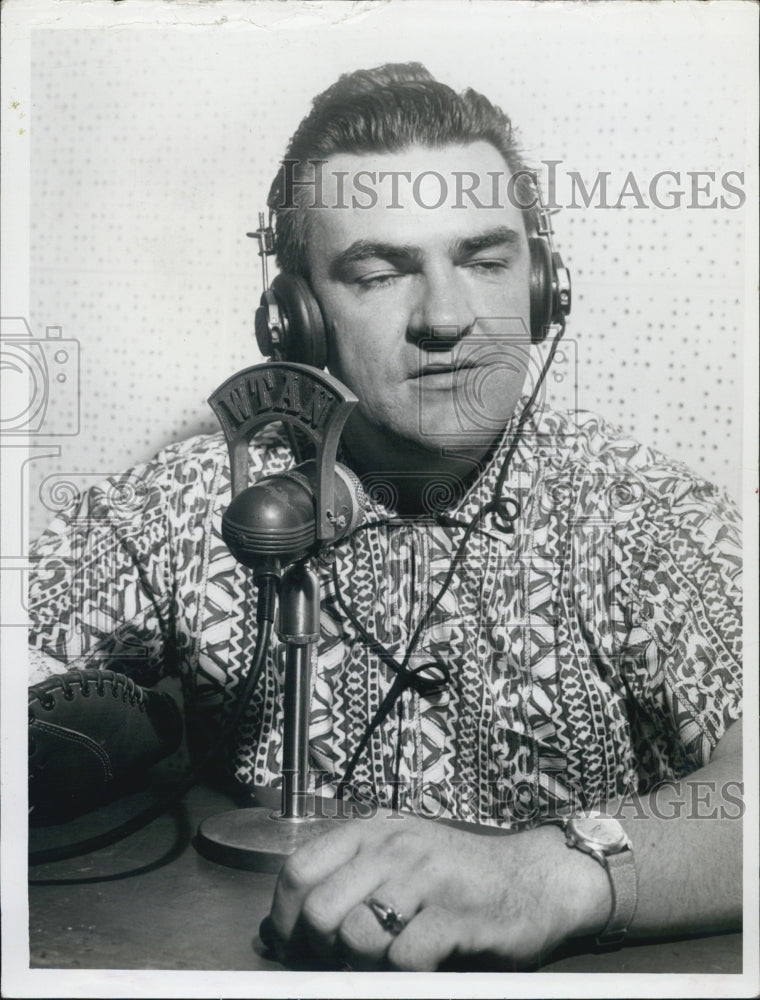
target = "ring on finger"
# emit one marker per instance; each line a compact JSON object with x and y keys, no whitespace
{"x":388,"y":918}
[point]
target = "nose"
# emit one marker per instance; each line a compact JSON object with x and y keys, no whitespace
{"x":440,"y":311}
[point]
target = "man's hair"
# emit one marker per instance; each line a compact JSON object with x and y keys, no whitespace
{"x":382,"y":110}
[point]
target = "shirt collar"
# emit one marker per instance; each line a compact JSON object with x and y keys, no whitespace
{"x":521,"y":476}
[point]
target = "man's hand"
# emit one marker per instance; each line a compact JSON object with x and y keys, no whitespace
{"x":510,"y":899}
{"x":507,"y":898}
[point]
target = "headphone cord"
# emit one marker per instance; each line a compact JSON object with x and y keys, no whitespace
{"x":406,"y":678}
{"x":496,"y":503}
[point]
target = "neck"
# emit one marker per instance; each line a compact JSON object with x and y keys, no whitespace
{"x":419,"y":480}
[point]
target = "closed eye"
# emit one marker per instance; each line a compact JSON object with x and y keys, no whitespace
{"x":488,"y":266}
{"x":370,"y":281}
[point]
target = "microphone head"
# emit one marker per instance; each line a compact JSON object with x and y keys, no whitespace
{"x":271,"y":521}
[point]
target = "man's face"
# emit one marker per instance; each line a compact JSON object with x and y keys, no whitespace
{"x":427,"y":308}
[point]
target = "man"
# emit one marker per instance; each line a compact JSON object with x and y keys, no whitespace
{"x":560,"y":632}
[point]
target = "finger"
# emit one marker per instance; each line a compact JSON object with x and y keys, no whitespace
{"x":316,"y":864}
{"x":429,"y":939}
{"x":327,"y":905}
{"x":437,"y":935}
{"x":307,"y":867}
{"x":362,"y":939}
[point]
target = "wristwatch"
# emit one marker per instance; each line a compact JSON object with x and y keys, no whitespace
{"x":607,"y":842}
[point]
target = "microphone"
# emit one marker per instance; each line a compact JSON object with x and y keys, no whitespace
{"x":274,"y":522}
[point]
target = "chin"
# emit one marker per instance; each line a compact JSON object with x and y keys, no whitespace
{"x":461,"y":428}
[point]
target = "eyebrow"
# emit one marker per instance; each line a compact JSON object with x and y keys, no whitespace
{"x":369,"y":250}
{"x":499,"y":236}
{"x":411,"y":255}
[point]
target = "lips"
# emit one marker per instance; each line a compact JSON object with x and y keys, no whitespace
{"x":442,"y":368}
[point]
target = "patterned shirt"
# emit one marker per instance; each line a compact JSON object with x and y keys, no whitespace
{"x":592,"y":651}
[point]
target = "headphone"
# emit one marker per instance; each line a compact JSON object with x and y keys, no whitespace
{"x":290,"y":325}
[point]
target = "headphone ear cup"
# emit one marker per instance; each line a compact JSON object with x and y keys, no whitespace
{"x":268,"y":325}
{"x":541,"y":289}
{"x":303,"y":339}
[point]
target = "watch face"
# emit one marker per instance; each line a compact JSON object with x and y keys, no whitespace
{"x":602,"y":833}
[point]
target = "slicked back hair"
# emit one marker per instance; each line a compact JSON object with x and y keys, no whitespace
{"x":383,"y":110}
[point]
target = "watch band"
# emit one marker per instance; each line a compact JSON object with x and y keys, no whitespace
{"x":618,"y":861}
{"x":622,"y":874}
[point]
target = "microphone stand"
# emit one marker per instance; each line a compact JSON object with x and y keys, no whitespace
{"x":299,"y":630}
{"x":257,"y":838}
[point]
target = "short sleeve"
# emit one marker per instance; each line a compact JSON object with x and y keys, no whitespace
{"x":684,"y":651}
{"x":99,"y":593}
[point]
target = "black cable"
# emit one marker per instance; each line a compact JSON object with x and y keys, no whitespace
{"x":523,"y":420}
{"x":495,"y":506}
{"x":295,"y":446}
{"x":404,"y":678}
{"x":181,"y":840}
{"x":265,"y":617}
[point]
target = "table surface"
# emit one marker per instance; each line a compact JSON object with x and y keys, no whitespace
{"x":184,"y":912}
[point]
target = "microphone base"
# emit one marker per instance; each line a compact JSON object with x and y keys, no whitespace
{"x":258,"y":839}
